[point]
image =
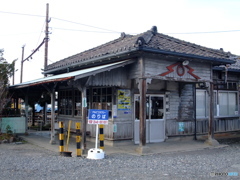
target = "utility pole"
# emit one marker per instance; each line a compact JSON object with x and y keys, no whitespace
{"x":21,"y":75}
{"x":46,"y":39}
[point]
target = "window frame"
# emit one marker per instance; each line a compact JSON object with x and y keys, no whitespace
{"x":216,"y":103}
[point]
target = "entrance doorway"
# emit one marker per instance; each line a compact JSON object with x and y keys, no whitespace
{"x":155,"y":118}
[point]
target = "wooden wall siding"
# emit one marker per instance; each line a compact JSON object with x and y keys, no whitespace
{"x":116,"y":77}
{"x":186,"y":108}
{"x":124,"y":130}
{"x":108,"y":130}
{"x":134,"y":70}
{"x":226,"y":125}
{"x":174,"y":101}
{"x":172,"y":128}
{"x":154,"y":67}
{"x":66,"y":119}
{"x":181,"y":105}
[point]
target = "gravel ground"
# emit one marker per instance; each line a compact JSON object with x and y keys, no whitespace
{"x":29,"y":162}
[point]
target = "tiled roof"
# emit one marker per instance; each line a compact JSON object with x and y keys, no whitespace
{"x":231,"y":67}
{"x":148,"y":40}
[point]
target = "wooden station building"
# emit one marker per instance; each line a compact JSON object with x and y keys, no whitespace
{"x":154,"y":86}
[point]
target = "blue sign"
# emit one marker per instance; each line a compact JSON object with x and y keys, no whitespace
{"x":97,"y":116}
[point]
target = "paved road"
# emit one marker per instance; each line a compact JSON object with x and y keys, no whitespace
{"x":27,"y":161}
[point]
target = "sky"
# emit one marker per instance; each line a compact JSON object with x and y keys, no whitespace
{"x":79,"y":25}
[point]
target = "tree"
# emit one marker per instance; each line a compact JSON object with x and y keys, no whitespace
{"x":6,"y":71}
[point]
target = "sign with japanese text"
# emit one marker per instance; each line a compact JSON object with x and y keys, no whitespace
{"x":97,"y":116}
{"x":124,"y":99}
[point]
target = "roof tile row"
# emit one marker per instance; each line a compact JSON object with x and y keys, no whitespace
{"x":150,"y":39}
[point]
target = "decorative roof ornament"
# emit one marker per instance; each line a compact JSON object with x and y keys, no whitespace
{"x":123,"y":35}
{"x":154,"y":30}
{"x":140,"y":41}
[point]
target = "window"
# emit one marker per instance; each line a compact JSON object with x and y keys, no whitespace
{"x":202,"y":105}
{"x":70,"y":101}
{"x":228,"y":104}
{"x":101,"y":98}
{"x":77,"y":103}
{"x":225,"y":103}
{"x":65,"y":102}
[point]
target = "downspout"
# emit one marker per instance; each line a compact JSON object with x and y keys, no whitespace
{"x":195,"y":111}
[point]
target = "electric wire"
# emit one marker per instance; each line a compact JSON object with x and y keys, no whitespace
{"x":84,"y":25}
{"x":206,"y":32}
{"x":40,"y":33}
{"x":108,"y":31}
{"x":83,"y":30}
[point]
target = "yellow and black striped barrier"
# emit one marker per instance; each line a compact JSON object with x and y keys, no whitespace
{"x":101,"y":136}
{"x":78,"y":140}
{"x":61,"y":137}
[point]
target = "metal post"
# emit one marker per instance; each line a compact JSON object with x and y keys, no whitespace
{"x":96,"y":142}
{"x":61,"y":137}
{"x":78,"y":140}
{"x":101,"y":136}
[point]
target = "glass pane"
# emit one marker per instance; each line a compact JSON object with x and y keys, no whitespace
{"x":104,"y":91}
{"x":232,"y":97}
{"x":137,"y":102}
{"x":109,"y":98}
{"x":147,"y":108}
{"x":156,"y":107}
{"x":223,"y":104}
{"x":201,"y":104}
{"x":109,"y":91}
{"x":215,"y":104}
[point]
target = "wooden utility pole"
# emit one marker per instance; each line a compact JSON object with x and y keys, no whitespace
{"x":46,"y":38}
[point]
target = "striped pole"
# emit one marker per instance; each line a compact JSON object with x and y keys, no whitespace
{"x":61,"y":138}
{"x":78,"y":140}
{"x":101,"y":136}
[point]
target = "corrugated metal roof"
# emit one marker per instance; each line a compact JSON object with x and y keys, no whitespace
{"x":75,"y":74}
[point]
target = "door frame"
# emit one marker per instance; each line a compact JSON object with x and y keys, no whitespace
{"x":149,"y":122}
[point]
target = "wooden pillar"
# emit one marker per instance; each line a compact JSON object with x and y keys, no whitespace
{"x":84,"y":119}
{"x":142,"y":86}
{"x":211,"y":141}
{"x":211,"y":112}
{"x":26,"y":113}
{"x":53,"y":141}
{"x":142,"y":115}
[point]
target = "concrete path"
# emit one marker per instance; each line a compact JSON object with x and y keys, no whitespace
{"x":42,"y":139}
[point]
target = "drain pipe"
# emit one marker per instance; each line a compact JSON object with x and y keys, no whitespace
{"x":195,"y":112}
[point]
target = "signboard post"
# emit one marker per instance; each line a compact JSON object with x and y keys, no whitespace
{"x":97,"y":116}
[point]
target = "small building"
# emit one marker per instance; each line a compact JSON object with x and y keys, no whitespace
{"x":154,"y":86}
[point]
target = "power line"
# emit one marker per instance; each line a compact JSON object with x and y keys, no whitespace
{"x":85,"y":25}
{"x":23,"y":14}
{"x":206,"y":32}
{"x":82,"y":30}
{"x":59,"y":20}
{"x":108,"y":31}
{"x":40,"y":33}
